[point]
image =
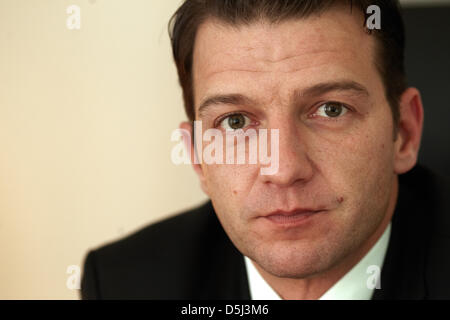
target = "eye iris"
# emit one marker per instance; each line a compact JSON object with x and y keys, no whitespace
{"x":333,"y":110}
{"x":236,"y":121}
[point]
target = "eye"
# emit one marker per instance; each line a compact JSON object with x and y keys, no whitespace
{"x":331,"y":110}
{"x":235,"y":122}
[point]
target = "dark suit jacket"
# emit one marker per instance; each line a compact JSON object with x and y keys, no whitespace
{"x":189,"y":256}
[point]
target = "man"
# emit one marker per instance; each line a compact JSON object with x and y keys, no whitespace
{"x":347,"y":200}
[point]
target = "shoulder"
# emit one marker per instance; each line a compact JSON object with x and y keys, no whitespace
{"x":426,"y":193}
{"x":155,"y":261}
{"x":430,"y":197}
{"x":438,"y":258}
{"x":173,"y":233}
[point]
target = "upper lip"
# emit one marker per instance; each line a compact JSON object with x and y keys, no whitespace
{"x":294,"y":211}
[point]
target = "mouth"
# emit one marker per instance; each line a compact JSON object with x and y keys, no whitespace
{"x":292,"y":218}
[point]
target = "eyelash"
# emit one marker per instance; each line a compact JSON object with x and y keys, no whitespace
{"x":219,"y":120}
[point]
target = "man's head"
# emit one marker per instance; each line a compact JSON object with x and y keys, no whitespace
{"x":336,"y":94}
{"x":193,"y":13}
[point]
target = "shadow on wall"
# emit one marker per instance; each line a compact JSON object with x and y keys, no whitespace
{"x":428,"y":69}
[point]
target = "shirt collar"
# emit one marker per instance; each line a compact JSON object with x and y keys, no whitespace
{"x":357,"y":284}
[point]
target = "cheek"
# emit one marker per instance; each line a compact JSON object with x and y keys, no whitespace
{"x":231,"y":182}
{"x":369,"y":144}
{"x":354,"y":163}
{"x":229,"y":186}
{"x":364,"y":170}
{"x":373,"y":150}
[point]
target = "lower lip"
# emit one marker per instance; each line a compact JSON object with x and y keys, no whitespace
{"x":292,"y":219}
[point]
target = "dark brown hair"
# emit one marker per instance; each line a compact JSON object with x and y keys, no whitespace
{"x":184,"y":24}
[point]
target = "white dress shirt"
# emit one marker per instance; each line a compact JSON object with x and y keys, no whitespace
{"x":357,"y":284}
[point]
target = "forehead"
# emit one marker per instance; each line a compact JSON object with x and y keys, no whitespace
{"x":226,"y":57}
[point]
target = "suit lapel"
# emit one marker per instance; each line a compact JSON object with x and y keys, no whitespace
{"x":223,"y":274}
{"x":403,"y":271}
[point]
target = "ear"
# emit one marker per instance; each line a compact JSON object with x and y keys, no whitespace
{"x":409,"y":131}
{"x":190,"y":147}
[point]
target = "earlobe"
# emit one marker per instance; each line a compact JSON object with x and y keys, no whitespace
{"x":409,"y":131}
{"x":189,"y":145}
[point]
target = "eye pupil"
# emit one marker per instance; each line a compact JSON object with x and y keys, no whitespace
{"x":333,"y":109}
{"x":236,"y":121}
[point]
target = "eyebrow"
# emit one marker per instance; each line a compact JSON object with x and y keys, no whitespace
{"x":315,"y":90}
{"x":326,"y":87}
{"x":229,"y":99}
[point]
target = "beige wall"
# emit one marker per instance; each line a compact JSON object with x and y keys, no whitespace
{"x":85,"y":123}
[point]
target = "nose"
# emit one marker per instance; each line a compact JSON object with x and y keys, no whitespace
{"x":295,"y":167}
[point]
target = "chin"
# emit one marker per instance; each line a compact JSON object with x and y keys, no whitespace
{"x":294,"y":261}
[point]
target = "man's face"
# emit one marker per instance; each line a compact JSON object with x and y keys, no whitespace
{"x":315,"y":81}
